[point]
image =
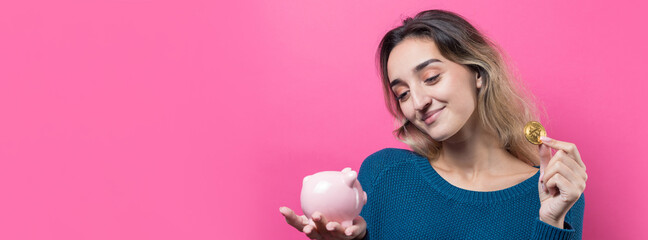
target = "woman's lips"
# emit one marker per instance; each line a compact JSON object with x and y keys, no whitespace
{"x":433,"y":116}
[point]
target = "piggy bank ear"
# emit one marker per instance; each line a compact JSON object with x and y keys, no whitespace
{"x":349,"y":177}
{"x":305,"y":179}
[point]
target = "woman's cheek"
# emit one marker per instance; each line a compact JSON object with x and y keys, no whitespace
{"x":407,"y":111}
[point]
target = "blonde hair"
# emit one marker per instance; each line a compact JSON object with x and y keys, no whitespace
{"x":501,"y":103}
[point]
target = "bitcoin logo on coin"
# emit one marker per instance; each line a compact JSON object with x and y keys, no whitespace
{"x":533,"y":131}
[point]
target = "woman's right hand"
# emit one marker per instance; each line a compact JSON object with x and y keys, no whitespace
{"x":324,"y":229}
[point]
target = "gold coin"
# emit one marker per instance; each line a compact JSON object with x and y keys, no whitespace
{"x":533,"y":130}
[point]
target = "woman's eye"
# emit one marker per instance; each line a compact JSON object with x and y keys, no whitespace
{"x":432,"y":79}
{"x":402,"y":96}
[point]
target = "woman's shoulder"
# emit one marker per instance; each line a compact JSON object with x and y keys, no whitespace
{"x":388,"y":156}
{"x":383,"y":159}
{"x":391,"y":151}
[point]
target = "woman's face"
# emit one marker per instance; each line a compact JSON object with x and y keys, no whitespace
{"x":438,"y":96}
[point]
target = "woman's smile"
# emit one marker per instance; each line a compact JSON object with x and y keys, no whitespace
{"x":432,"y":116}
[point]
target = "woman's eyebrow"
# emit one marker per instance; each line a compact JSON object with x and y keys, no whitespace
{"x":422,"y":65}
{"x":395,"y":82}
{"x":416,"y":69}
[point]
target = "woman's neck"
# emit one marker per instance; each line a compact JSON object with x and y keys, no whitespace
{"x":472,"y":151}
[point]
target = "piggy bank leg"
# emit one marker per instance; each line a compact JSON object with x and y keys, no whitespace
{"x":346,"y":224}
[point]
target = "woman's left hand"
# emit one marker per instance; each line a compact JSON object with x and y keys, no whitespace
{"x":562,"y":180}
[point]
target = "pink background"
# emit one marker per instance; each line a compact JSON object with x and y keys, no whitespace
{"x":143,"y":119}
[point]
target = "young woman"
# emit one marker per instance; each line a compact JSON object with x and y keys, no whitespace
{"x":471,"y":174}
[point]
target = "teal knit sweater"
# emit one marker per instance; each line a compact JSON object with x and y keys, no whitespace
{"x":408,"y":199}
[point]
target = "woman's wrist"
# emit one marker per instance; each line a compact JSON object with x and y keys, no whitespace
{"x":362,"y":235}
{"x":560,"y":223}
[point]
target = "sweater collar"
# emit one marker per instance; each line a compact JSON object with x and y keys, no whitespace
{"x":464,"y":195}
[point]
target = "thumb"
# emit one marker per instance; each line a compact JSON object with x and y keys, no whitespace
{"x":545,"y":156}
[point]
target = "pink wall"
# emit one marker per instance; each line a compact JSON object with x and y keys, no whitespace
{"x":143,"y":119}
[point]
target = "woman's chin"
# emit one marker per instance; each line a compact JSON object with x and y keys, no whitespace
{"x":438,"y":133}
{"x":438,"y":136}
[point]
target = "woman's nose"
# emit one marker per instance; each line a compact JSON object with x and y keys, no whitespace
{"x":420,"y":99}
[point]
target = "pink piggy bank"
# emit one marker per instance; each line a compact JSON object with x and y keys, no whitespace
{"x":337,"y":195}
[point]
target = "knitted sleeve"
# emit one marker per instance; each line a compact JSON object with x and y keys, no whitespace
{"x":573,"y":228}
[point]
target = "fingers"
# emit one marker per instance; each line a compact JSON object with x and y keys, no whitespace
{"x":569,"y":148}
{"x":567,"y":190}
{"x":327,"y":228}
{"x":319,"y":220}
{"x":297,"y":222}
{"x":311,"y":232}
{"x":331,"y":229}
{"x":563,"y":174}
{"x":301,"y":223}
{"x":358,"y":229}
{"x":563,"y":160}
{"x":557,"y":167}
{"x":335,"y":228}
{"x":322,"y":228}
{"x":545,"y":156}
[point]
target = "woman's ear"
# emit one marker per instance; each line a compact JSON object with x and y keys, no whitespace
{"x":478,"y":79}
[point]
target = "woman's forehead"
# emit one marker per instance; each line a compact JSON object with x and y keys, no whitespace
{"x":410,"y":53}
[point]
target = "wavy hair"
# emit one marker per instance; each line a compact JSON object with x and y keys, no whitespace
{"x":501,"y":103}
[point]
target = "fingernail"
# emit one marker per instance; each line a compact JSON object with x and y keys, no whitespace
{"x":283,"y":211}
{"x":348,"y":232}
{"x":316,"y":216}
{"x":330,"y":227}
{"x":545,"y":139}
